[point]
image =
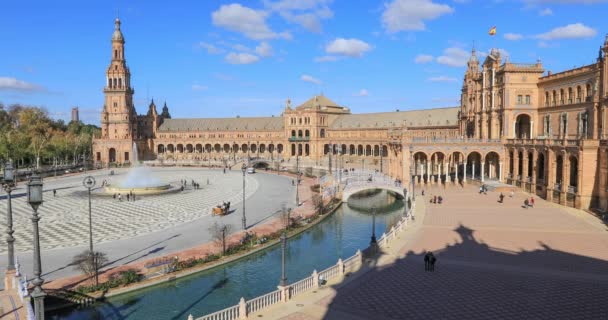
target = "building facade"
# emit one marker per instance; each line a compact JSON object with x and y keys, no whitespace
{"x":543,"y":132}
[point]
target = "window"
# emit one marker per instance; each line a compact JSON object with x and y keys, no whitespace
{"x":519,"y":99}
{"x":527,"y":99}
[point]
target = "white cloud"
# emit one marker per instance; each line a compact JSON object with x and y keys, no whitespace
{"x":198,"y":87}
{"x":249,"y":22}
{"x":307,"y":13}
{"x":12,"y":84}
{"x":571,"y":31}
{"x":442,"y":79}
{"x":423,"y":58}
{"x":211,"y":49}
{"x":310,"y":79}
{"x":361,"y":93}
{"x":327,"y":59}
{"x":513,"y":36}
{"x":403,"y":15}
{"x":454,"y":57}
{"x":545,"y":12}
{"x":264,"y":49}
{"x":240,"y":47}
{"x":348,"y":47}
{"x":241,"y":58}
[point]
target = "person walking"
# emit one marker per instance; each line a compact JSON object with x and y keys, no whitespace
{"x":526,"y":203}
{"x":432,"y":261}
{"x":427,"y":258}
{"x":532,"y":202}
{"x":54,"y":193}
{"x":120,"y":197}
{"x":481,"y":189}
{"x":128,"y":197}
{"x":501,"y":198}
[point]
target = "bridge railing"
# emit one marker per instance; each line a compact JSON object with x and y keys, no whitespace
{"x":314,"y":281}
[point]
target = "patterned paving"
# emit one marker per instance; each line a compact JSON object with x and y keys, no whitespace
{"x":495,"y":261}
{"x":64,"y":219}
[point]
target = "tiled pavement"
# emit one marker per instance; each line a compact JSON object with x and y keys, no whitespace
{"x":65,"y":217}
{"x":495,"y":261}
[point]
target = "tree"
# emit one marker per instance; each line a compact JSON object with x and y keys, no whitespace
{"x":89,"y":263}
{"x":218,"y":234}
{"x":317,"y":202}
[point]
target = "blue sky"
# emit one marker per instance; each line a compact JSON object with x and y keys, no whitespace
{"x":226,"y":58}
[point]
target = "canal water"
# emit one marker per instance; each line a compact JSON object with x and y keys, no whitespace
{"x":338,"y":236}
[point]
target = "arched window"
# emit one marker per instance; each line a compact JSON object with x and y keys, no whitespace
{"x":114,"y":82}
{"x":322,"y":133}
{"x":120,"y":82}
{"x":293,"y":133}
{"x":109,"y":83}
{"x":300,"y":133}
{"x":547,"y":98}
{"x":579,"y":94}
{"x":561,"y":96}
{"x":554,"y":97}
{"x":115,"y":54}
{"x":300,"y":120}
{"x":570,"y":97}
{"x":307,"y":133}
{"x":589,"y":93}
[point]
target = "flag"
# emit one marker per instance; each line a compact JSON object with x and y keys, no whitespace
{"x":492,"y":31}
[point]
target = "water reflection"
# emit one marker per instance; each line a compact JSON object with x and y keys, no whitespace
{"x":339,"y":236}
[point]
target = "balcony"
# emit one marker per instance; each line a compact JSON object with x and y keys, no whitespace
{"x":555,"y":141}
{"x":299,"y":139}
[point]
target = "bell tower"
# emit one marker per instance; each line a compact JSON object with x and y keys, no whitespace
{"x":118,"y":118}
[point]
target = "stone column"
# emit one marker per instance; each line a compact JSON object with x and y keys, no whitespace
{"x":464,"y":177}
{"x":482,"y":167}
{"x":500,"y":171}
{"x":428,"y":169}
{"x":473,"y":170}
{"x":565,"y":177}
{"x":550,"y":173}
{"x":516,"y":169}
{"x":456,"y":175}
{"x":534,"y":168}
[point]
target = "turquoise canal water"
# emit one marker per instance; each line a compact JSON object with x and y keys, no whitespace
{"x":338,"y":236}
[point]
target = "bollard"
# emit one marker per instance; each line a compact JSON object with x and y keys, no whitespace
{"x":340,"y":267}
{"x":315,"y":279}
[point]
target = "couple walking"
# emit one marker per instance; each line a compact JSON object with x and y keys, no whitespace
{"x":429,"y":261}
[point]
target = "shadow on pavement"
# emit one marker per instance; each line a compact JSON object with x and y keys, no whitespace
{"x":475,"y":281}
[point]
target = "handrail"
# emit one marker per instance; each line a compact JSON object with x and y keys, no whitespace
{"x":303,"y":285}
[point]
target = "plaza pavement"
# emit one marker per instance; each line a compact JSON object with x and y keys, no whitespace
{"x":495,"y":261}
{"x":149,"y":227}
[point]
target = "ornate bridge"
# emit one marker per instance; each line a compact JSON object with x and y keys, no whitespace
{"x":357,"y":182}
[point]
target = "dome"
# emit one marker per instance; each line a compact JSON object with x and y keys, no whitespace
{"x":117,"y":34}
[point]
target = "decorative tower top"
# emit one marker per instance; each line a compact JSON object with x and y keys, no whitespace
{"x":473,"y":58}
{"x":117,"y":36}
{"x":288,"y":104}
{"x":165,"y":113}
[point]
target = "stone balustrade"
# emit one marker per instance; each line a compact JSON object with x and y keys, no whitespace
{"x":245,"y":308}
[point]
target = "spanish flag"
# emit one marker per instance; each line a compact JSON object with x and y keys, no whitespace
{"x":492,"y":31}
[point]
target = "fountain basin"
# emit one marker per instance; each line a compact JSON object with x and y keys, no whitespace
{"x":139,"y":191}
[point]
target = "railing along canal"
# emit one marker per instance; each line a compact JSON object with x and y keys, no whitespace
{"x":351,"y":264}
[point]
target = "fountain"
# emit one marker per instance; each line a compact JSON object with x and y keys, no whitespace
{"x":139,"y":181}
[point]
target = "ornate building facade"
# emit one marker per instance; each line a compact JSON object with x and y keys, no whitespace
{"x":546,"y":133}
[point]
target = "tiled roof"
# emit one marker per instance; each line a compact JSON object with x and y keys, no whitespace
{"x":319,"y":100}
{"x":223,"y":124}
{"x":415,"y":118}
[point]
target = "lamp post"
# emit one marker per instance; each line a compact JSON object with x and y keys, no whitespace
{"x":373,"y":243}
{"x":412,"y":172}
{"x":244,"y":169}
{"x":381,"y":154}
{"x":89,"y":183}
{"x":34,"y":198}
{"x":283,"y":281}
{"x":297,"y":180}
{"x":8,"y":184}
{"x":331,"y":150}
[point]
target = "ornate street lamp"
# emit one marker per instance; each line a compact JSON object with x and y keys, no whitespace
{"x":244,"y":169}
{"x":34,"y":198}
{"x":8,"y":184}
{"x":89,"y":183}
{"x":373,"y":243}
{"x":412,"y":172}
{"x":297,"y":180}
{"x":283,"y":281}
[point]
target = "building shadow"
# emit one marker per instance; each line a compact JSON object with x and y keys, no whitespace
{"x":475,"y":281}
